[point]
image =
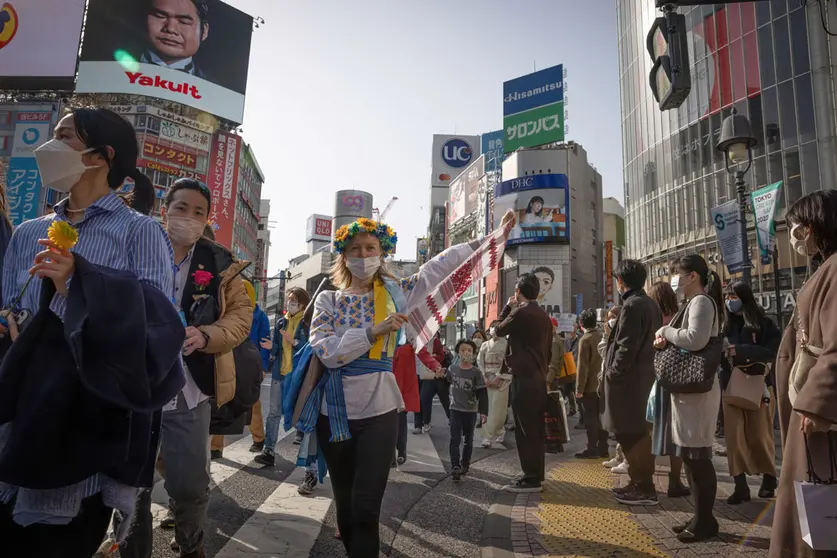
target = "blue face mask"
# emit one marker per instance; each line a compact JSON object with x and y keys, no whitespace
{"x":734,"y":306}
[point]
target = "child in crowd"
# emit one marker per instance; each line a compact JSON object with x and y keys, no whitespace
{"x":468,"y":398}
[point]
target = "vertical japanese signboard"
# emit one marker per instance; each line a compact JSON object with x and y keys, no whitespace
{"x":609,"y":298}
{"x":533,"y":109}
{"x":222,"y":180}
{"x":32,"y":130}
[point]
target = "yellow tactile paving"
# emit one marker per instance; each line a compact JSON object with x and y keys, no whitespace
{"x":579,"y":516}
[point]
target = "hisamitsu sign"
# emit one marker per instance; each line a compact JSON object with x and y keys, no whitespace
{"x":534,"y":90}
{"x":533,"y":109}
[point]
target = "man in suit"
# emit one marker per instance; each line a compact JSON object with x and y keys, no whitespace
{"x":628,"y":378}
{"x":176,"y":31}
{"x":529,"y":332}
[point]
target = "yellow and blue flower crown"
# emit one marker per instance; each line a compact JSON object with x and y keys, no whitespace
{"x":383,"y":232}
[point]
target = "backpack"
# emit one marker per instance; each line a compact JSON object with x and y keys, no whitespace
{"x":248,"y":385}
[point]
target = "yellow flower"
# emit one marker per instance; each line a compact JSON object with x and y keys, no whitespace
{"x":341,"y":233}
{"x":367,"y":224}
{"x":63,"y":234}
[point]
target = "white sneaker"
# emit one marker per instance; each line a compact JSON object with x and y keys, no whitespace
{"x":612,"y":463}
{"x":621,"y":469}
{"x":500,"y":439}
{"x":425,"y":428}
{"x":486,"y":443}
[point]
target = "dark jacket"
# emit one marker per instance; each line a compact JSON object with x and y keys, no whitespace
{"x":301,"y":338}
{"x":529,"y":331}
{"x":629,"y":364}
{"x":95,"y":396}
{"x":751,"y":346}
{"x":260,"y":329}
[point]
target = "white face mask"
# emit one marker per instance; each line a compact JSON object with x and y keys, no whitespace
{"x":184,"y":231}
{"x":293,"y":308}
{"x":611,"y":322}
{"x":60,"y":165}
{"x":363,"y":268}
{"x":478,"y":342}
{"x":801,"y":245}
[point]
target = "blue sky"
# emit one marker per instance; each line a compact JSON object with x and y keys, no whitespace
{"x":348,"y":94}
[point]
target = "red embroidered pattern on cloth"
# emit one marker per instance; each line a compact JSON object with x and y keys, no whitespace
{"x":429,"y":316}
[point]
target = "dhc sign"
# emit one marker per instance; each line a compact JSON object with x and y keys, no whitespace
{"x":457,"y":153}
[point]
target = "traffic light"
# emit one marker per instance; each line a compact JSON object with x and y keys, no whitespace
{"x":668,"y":45}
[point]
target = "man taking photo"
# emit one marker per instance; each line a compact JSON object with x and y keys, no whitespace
{"x":529,"y":332}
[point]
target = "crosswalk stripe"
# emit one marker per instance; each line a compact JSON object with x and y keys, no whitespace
{"x":285,"y":524}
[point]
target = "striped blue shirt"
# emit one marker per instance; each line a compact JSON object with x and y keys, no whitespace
{"x":110,"y":235}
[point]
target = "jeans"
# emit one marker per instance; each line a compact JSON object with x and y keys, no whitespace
{"x":528,"y":396}
{"x":274,"y":416}
{"x":462,"y":424}
{"x":597,"y":437}
{"x":359,"y":469}
{"x":429,"y":390}
{"x":184,"y":447}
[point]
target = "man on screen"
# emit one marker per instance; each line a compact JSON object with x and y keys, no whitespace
{"x":176,"y":31}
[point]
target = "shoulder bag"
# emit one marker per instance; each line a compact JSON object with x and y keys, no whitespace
{"x":746,"y":386}
{"x":682,"y":371}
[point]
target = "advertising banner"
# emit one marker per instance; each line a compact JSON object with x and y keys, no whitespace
{"x":176,"y":133}
{"x":318,"y":228}
{"x":765,"y":201}
{"x":451,"y":155}
{"x":23,"y":189}
{"x":566,"y":322}
{"x":533,"y":109}
{"x":39,"y":43}
{"x":728,"y":229}
{"x":464,"y":191}
{"x":608,"y":258}
{"x":223,"y":177}
{"x":534,"y":127}
{"x":551,"y":294}
{"x":542,"y":205}
{"x":169,"y":169}
{"x":152,"y":149}
{"x":492,"y":149}
{"x":195,"y":53}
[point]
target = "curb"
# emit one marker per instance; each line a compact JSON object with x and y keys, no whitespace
{"x":496,"y":541}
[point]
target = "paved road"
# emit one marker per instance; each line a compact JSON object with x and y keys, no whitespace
{"x":256,"y":511}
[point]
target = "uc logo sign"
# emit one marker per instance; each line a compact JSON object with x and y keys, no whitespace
{"x":457,"y":153}
{"x":8,"y":24}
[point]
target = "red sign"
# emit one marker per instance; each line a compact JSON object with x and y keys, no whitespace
{"x":34,"y":116}
{"x":139,"y":78}
{"x":492,"y":296}
{"x":609,"y":272}
{"x":222,"y":180}
{"x":168,"y":169}
{"x":169,"y":154}
{"x":322,"y":227}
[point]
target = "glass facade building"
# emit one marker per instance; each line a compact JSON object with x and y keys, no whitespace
{"x":755,"y":57}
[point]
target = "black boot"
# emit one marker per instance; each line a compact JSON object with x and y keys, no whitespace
{"x":768,"y":487}
{"x":742,"y":491}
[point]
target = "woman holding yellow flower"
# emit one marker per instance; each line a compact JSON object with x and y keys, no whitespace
{"x":91,"y":238}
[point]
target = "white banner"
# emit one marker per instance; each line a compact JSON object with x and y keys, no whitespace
{"x":765,"y":201}
{"x":164,"y":83}
{"x":182,"y":135}
{"x":728,"y":229}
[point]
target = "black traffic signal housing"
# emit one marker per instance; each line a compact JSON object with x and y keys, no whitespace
{"x":668,"y":45}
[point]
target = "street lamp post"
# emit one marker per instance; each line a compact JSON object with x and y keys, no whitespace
{"x":737,"y":142}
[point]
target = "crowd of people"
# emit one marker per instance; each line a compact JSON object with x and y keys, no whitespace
{"x":158,"y":350}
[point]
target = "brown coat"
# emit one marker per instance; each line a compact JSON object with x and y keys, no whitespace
{"x":529,"y":332}
{"x":816,"y":311}
{"x":230,"y":330}
{"x":589,"y":362}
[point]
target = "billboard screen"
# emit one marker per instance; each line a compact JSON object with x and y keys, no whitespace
{"x":464,"y":191}
{"x":551,"y":294}
{"x":542,"y":205}
{"x":222,"y":180}
{"x":23,"y":190}
{"x":188,"y":51}
{"x":318,"y":228}
{"x":533,"y":109}
{"x":492,"y":148}
{"x":38,"y":51}
{"x":451,"y":155}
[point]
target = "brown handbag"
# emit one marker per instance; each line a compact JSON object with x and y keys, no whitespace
{"x":746,"y":391}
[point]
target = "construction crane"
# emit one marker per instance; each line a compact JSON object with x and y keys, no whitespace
{"x":381,"y":215}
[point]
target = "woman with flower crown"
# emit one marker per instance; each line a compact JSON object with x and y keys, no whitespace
{"x":354,"y":333}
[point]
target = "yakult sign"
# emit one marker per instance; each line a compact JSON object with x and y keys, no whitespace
{"x":222,"y":180}
{"x":451,"y":155}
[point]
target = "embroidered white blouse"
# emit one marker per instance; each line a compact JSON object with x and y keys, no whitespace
{"x":338,"y":334}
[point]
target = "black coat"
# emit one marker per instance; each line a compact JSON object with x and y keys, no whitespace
{"x":90,"y":389}
{"x":752,"y":345}
{"x":629,"y":364}
{"x":529,"y":331}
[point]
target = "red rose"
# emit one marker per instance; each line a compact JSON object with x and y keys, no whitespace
{"x":202,"y":278}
